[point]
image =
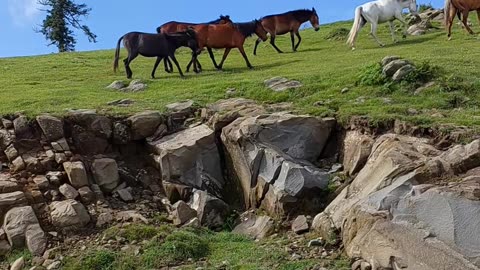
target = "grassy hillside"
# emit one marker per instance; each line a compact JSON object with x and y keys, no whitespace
{"x":57,"y":82}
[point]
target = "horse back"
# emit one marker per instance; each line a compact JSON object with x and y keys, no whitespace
{"x":466,"y":5}
{"x":280,"y":24}
{"x":218,"y":36}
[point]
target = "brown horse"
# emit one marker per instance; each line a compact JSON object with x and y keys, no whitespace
{"x":288,"y":22}
{"x":174,"y":26}
{"x":455,"y":7}
{"x":228,"y":36}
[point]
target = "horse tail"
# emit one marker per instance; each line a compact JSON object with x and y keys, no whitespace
{"x":357,"y":24}
{"x":117,"y":55}
{"x":446,"y":11}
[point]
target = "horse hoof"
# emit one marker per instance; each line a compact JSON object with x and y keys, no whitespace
{"x":449,"y":38}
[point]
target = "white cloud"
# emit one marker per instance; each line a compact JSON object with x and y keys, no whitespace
{"x":23,"y":12}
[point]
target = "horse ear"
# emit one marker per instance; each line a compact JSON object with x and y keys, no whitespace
{"x":313,"y":9}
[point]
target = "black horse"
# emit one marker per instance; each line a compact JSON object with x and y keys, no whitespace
{"x":155,"y":45}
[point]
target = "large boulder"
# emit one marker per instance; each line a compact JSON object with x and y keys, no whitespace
{"x":257,"y":227}
{"x":225,"y":111}
{"x":22,"y":229}
{"x":276,"y":151}
{"x":76,"y":173}
{"x":8,"y":185}
{"x":51,"y":126}
{"x":191,"y":158}
{"x":105,"y":172}
{"x":144,"y":124}
{"x":69,"y":214}
{"x":12,"y":199}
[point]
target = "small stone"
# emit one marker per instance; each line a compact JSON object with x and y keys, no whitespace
{"x":50,"y":154}
{"x":18,"y":264}
{"x":300,"y":225}
{"x":365,"y":266}
{"x":125,"y":194}
{"x":63,"y":144}
{"x":41,"y":182}
{"x":116,"y":85}
{"x":7,"y":123}
{"x":412,"y":111}
{"x":345,"y":90}
{"x":316,"y":242}
{"x":86,"y":195}
{"x":182,"y":213}
{"x":54,"y":265}
{"x":60,"y":158}
{"x":230,"y":92}
{"x":18,"y":164}
{"x":11,"y":152}
{"x":68,"y":191}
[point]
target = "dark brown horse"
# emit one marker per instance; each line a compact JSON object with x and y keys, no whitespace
{"x":288,"y":22}
{"x":228,"y":36}
{"x":174,"y":26}
{"x":155,"y":45}
{"x":455,"y":7}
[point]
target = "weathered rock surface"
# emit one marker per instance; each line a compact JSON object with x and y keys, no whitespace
{"x":191,"y":158}
{"x":51,"y":126}
{"x":69,"y":214}
{"x":9,"y":185}
{"x":211,"y":211}
{"x":22,"y":229}
{"x":280,"y":84}
{"x":357,"y":148}
{"x":9,"y":200}
{"x":68,"y":191}
{"x":300,"y":225}
{"x":76,"y":173}
{"x":392,"y":67}
{"x":257,"y":227}
{"x":105,"y":172}
{"x":144,"y":124}
{"x":182,"y":213}
{"x":224,"y":112}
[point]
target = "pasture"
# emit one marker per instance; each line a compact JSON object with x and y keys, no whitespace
{"x":58,"y":82}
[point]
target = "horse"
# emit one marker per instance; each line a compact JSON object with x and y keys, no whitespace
{"x":227,"y":36}
{"x":288,"y":22}
{"x":174,"y":26}
{"x":380,"y":11}
{"x":457,"y":7}
{"x":154,"y":45}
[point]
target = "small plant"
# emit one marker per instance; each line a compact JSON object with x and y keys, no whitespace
{"x":94,"y":260}
{"x":372,"y":76}
{"x":337,"y":34}
{"x":424,"y":7}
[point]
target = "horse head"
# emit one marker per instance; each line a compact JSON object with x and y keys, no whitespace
{"x":410,"y":4}
{"x":314,"y":20}
{"x":260,"y":31}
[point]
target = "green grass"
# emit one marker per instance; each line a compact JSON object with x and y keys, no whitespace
{"x":57,"y":82}
{"x":187,"y":247}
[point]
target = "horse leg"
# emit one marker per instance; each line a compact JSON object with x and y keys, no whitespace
{"x":210,"y":52}
{"x":242,"y":51}
{"x":225,"y":54}
{"x":465,"y":22}
{"x":168,"y":65}
{"x":272,"y":41}
{"x":392,"y":31}
{"x":127,"y":61}
{"x":292,"y":37}
{"x":449,"y":20}
{"x":373,"y":33}
{"x":176,"y":64}
{"x":478,"y":15}
{"x":156,"y":65}
{"x":399,"y":17}
{"x":299,"y":39}
{"x":256,"y":45}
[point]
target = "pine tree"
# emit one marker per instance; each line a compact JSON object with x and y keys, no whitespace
{"x":62,"y":15}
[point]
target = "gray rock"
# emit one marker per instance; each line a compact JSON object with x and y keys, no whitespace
{"x":324,"y":227}
{"x":86,"y":195}
{"x":18,"y":264}
{"x":105,"y":172}
{"x":76,"y":173}
{"x":295,"y":178}
{"x":391,"y":68}
{"x":7,"y":123}
{"x":22,"y":128}
{"x":9,"y":200}
{"x":5,"y":247}
{"x":387,"y":59}
{"x":117,"y":85}
{"x":51,"y":126}
{"x":55,"y":265}
{"x":69,"y":214}
{"x":279,"y":84}
{"x":144,"y":124}
{"x":211,"y":210}
{"x":184,"y":106}
{"x":56,"y":177}
{"x":257,"y":227}
{"x":121,"y":102}
{"x":356,"y":149}
{"x":9,"y":185}
{"x":18,"y":164}
{"x":402,"y":72}
{"x":300,"y":225}
{"x":224,"y":112}
{"x":191,"y":158}
{"x":42,"y":182}
{"x":135,"y":86}
{"x":68,"y":191}
{"x":60,"y":158}
{"x":121,"y":133}
{"x":22,"y":229}
{"x":125,"y":194}
{"x":11,"y":152}
{"x":194,"y":223}
{"x":182,"y":213}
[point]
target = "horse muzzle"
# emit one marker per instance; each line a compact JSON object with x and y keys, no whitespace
{"x":317,"y":28}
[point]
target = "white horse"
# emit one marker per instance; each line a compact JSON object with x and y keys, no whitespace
{"x":380,"y":11}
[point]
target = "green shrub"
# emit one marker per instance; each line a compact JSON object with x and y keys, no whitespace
{"x":94,"y":260}
{"x":337,"y":34}
{"x":424,"y":7}
{"x":371,"y":76}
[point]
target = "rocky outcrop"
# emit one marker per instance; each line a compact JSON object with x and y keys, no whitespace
{"x":272,"y":155}
{"x":191,"y":158}
{"x":357,"y":148}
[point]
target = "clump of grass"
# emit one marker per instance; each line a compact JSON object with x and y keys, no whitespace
{"x":371,"y":76}
{"x":337,"y":34}
{"x":94,"y":260}
{"x":177,"y":247}
{"x":423,"y":73}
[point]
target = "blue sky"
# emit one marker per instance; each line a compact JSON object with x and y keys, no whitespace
{"x":110,"y":19}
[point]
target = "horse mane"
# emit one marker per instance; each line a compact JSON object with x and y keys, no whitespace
{"x":247,"y":28}
{"x":299,"y":14}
